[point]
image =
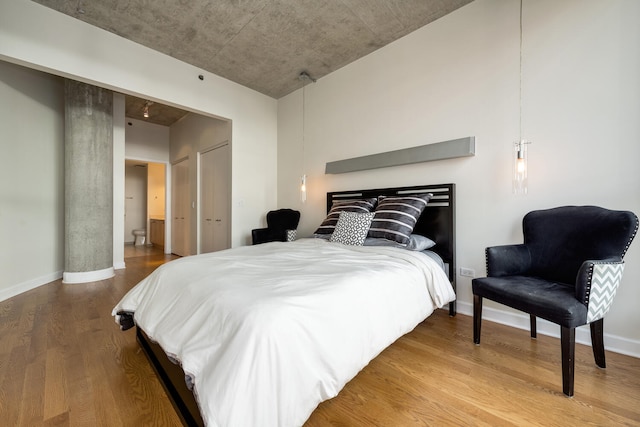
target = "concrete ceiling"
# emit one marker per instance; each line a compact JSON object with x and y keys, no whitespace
{"x":260,"y":44}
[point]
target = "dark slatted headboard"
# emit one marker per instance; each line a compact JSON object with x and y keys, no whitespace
{"x":437,"y":222}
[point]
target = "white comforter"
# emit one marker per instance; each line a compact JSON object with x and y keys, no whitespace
{"x":268,"y":332}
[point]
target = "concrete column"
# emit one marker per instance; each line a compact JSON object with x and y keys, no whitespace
{"x":88,"y":183}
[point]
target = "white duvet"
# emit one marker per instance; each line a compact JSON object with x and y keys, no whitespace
{"x":267,"y":332}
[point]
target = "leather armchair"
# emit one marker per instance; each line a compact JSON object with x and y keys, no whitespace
{"x":567,"y":272}
{"x":278,"y":223}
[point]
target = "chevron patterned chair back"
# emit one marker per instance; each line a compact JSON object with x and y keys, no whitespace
{"x":567,"y":271}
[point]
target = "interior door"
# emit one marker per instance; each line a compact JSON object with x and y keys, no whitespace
{"x":214,"y":200}
{"x":180,"y":208}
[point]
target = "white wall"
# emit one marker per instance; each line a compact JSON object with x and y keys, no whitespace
{"x":41,"y":38}
{"x":146,"y":141}
{"x":31,"y":179}
{"x":459,"y":76}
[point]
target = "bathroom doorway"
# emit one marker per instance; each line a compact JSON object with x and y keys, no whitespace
{"x":135,"y":199}
{"x":145,"y":196}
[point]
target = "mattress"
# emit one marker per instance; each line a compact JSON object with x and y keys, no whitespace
{"x":265,"y":333}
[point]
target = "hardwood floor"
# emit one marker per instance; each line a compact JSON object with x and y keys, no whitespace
{"x":64,"y":361}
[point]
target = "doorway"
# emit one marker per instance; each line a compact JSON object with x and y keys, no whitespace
{"x":145,"y":202}
{"x":135,"y":199}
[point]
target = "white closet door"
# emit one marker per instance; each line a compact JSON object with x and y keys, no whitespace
{"x":180,"y":208}
{"x":214,"y":200}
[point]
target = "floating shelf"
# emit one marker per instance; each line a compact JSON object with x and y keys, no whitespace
{"x":462,"y":147}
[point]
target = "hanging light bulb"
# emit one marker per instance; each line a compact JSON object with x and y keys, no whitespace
{"x":303,"y":189}
{"x":520,"y":166}
{"x":145,"y":109}
{"x":520,"y":182}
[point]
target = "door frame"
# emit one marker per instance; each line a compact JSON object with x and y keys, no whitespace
{"x":167,"y":198}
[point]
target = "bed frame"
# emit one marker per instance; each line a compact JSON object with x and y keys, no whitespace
{"x":437,"y":222}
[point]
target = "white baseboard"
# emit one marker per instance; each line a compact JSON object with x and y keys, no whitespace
{"x":19,"y":288}
{"x":119,"y":265}
{"x":74,"y":277}
{"x":583,"y":334}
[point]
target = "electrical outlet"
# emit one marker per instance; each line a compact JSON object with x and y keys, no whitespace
{"x":467,"y":272}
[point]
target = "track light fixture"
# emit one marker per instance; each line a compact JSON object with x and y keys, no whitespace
{"x":145,"y":109}
{"x":304,"y":76}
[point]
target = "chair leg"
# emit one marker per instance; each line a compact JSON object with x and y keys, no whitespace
{"x":568,"y":343}
{"x":597,"y":342}
{"x":534,"y":329}
{"x":477,"y":318}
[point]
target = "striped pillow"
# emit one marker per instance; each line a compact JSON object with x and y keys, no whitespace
{"x":395,"y":217}
{"x":329,"y":223}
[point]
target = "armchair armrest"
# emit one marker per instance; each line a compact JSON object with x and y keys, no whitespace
{"x":265,"y":235}
{"x":259,"y":235}
{"x":596,"y":284}
{"x":508,"y":260}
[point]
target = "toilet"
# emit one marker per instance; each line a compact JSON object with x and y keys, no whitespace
{"x":140,"y":234}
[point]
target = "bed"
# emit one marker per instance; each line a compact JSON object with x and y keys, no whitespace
{"x":260,"y":335}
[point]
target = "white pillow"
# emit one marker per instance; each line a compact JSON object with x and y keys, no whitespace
{"x":352,"y":228}
{"x":419,"y":243}
{"x":416,"y":243}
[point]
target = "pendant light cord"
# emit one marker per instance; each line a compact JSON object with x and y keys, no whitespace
{"x":304,"y":84}
{"x":305,"y":78}
{"x":520,"y":82}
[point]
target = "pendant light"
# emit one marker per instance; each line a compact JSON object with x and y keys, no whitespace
{"x":520,"y":155}
{"x":305,"y":78}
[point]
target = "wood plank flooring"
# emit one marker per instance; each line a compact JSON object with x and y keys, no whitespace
{"x":64,"y":362}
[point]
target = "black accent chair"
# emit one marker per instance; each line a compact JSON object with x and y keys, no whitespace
{"x":567,"y":272}
{"x":278,"y":223}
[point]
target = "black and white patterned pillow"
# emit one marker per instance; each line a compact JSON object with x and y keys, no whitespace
{"x":395,"y":217}
{"x":352,"y":228}
{"x":329,"y":223}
